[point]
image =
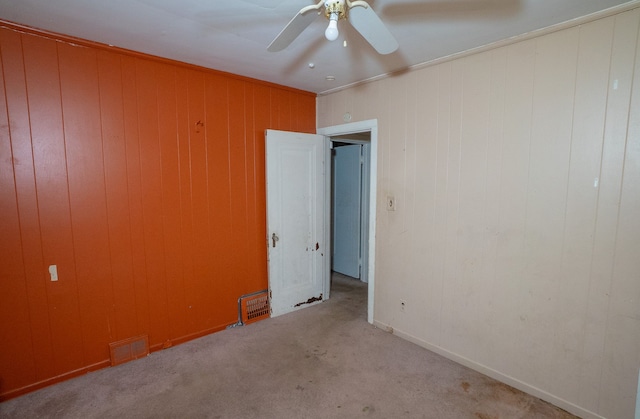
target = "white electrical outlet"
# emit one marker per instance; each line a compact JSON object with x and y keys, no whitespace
{"x":403,"y":304}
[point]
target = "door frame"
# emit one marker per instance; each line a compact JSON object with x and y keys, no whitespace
{"x":371,"y":126}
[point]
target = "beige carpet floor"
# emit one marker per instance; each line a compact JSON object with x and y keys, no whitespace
{"x":324,"y":361}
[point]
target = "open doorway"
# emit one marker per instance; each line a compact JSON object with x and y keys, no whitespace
{"x":363,"y":135}
{"x":350,"y":158}
{"x":298,"y":186}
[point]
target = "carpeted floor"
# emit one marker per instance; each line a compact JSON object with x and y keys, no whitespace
{"x":324,"y":361}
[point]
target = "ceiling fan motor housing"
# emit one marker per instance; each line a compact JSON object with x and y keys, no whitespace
{"x":335,"y":6}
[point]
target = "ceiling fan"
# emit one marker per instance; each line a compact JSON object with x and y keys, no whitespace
{"x":358,"y":12}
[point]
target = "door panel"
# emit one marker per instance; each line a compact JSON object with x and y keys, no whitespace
{"x":347,"y":205}
{"x":295,"y":219}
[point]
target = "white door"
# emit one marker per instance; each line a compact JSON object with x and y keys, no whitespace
{"x":295,"y":219}
{"x":347,"y":206}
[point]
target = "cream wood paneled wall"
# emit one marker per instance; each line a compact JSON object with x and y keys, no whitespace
{"x":516,"y":238}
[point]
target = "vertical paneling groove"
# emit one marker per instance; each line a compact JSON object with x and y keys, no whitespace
{"x":151,"y":194}
{"x":111,"y":327}
{"x":605,"y":233}
{"x":14,"y":307}
{"x":251,"y":190}
{"x":516,"y":165}
{"x":238,"y":181}
{"x":451,"y":330}
{"x":23,"y":167}
{"x":591,"y":83}
{"x":134,"y":188}
{"x":143,"y":181}
{"x":262,"y":116}
{"x":529,"y":269}
{"x":410,"y":155}
{"x":111,"y":303}
{"x":622,"y":342}
{"x":185,"y":220}
{"x":442,"y":80}
{"x":425,"y":181}
{"x":547,"y":195}
{"x":170,"y":180}
{"x":52,"y":189}
{"x":219,"y":190}
{"x":87,"y":195}
{"x":115,"y":167}
{"x":493,"y":171}
{"x":199,"y":198}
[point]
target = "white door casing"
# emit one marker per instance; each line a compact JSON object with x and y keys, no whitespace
{"x":369,"y":260}
{"x":296,"y":201}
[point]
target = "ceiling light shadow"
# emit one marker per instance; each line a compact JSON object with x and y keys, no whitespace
{"x":450,"y":9}
{"x":303,"y":59}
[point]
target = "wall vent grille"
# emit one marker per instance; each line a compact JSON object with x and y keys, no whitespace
{"x":255,"y":308}
{"x":129,"y":349}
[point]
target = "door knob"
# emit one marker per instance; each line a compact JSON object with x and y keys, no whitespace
{"x":274,"y":239}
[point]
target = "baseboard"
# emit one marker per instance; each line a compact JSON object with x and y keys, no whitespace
{"x":497,"y":375}
{"x":53,"y":380}
{"x":186,"y":338}
{"x":100,"y":365}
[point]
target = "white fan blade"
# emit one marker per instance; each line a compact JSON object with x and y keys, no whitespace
{"x":367,"y":22}
{"x":294,"y":28}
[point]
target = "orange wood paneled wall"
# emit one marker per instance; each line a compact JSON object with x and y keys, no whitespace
{"x":143,"y":181}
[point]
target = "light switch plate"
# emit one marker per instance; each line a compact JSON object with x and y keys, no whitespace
{"x":53,"y":271}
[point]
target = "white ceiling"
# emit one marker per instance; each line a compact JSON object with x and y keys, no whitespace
{"x":233,"y":35}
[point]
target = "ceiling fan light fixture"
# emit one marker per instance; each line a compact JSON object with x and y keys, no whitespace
{"x":359,"y":14}
{"x":332,"y":30}
{"x":335,"y":6}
